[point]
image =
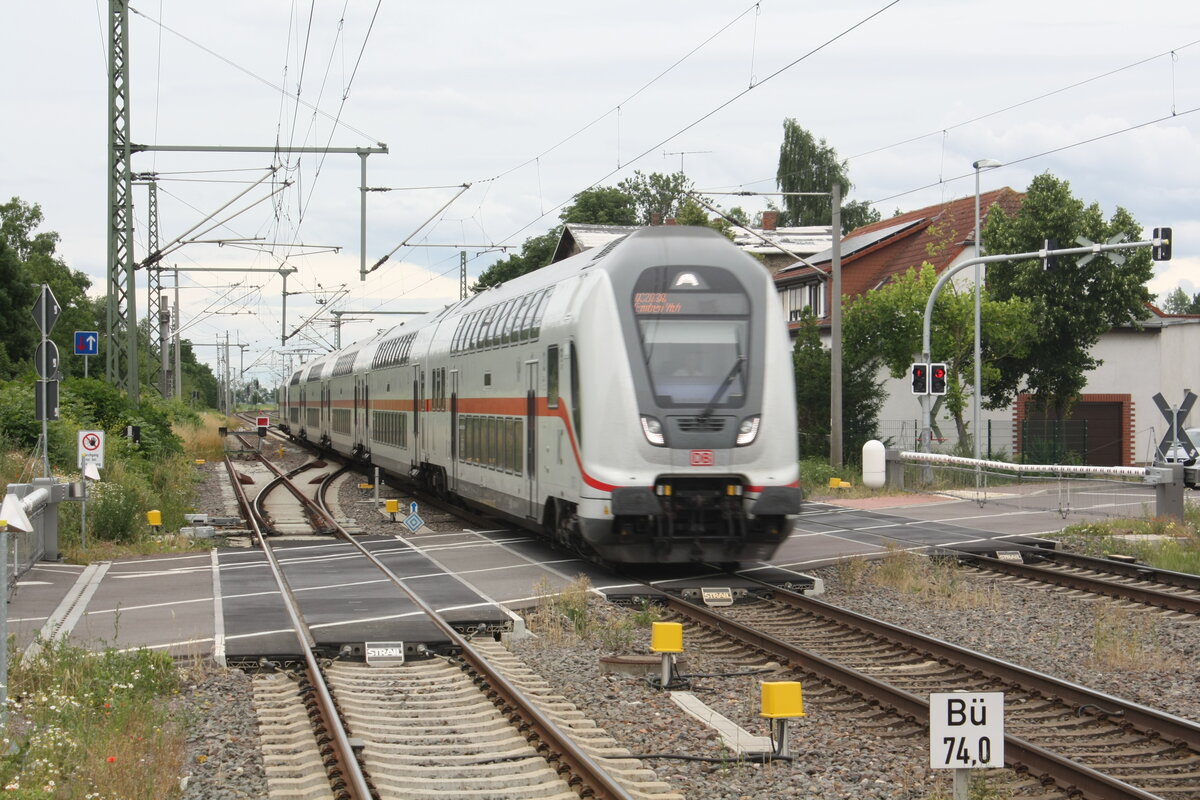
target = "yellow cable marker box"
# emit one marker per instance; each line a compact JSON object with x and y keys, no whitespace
{"x":666,"y":637}
{"x":154,"y":518}
{"x":782,"y":699}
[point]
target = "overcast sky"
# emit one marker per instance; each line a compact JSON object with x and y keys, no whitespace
{"x":532,"y":102}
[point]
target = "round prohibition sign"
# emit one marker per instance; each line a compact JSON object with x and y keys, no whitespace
{"x":91,"y":442}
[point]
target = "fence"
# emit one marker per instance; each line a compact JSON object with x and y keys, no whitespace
{"x":31,"y":511}
{"x":999,"y":437}
{"x":1087,"y":492}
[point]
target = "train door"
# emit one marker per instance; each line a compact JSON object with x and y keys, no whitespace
{"x":531,"y":438}
{"x":454,"y":443}
{"x":364,"y":432}
{"x":326,"y":423}
{"x":418,"y":385}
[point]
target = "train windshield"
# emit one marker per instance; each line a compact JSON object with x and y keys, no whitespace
{"x":689,"y":359}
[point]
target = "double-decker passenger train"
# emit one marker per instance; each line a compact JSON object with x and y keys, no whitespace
{"x":634,"y":402}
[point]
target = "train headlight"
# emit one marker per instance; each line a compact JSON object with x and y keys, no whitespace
{"x":654,"y":431}
{"x":747,"y":431}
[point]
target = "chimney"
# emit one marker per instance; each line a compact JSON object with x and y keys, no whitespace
{"x":655,"y":218}
{"x":769,"y":220}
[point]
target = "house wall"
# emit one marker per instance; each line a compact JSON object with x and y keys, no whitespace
{"x":1136,"y":366}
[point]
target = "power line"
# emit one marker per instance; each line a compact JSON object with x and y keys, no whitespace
{"x":941,"y":131}
{"x":258,"y":78}
{"x":730,"y":101}
{"x":617,"y":107}
{"x":1044,"y":153}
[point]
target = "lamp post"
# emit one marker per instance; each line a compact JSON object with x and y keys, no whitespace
{"x":980,"y":165}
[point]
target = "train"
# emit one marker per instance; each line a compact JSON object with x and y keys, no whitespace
{"x":634,"y":403}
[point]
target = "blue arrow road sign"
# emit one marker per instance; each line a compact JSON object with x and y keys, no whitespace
{"x":87,"y":343}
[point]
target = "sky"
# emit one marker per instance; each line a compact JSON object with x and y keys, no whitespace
{"x":529,"y":103}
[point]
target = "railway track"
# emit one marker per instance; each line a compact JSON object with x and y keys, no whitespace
{"x":1085,"y":742}
{"x":467,"y":722}
{"x":1136,"y":583}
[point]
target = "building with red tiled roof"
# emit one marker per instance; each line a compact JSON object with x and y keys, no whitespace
{"x":1115,"y":421}
{"x":942,"y":235}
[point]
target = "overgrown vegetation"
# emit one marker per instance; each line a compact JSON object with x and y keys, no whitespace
{"x":941,"y":583}
{"x":576,"y":613}
{"x":1159,"y":542}
{"x":1129,"y":640}
{"x":156,"y":472}
{"x":92,"y":725}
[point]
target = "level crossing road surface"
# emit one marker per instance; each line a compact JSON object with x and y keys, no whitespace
{"x":207,"y":603}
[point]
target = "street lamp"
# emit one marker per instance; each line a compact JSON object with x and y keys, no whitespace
{"x":980,"y":165}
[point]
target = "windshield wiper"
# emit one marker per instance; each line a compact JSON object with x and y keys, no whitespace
{"x":737,"y":367}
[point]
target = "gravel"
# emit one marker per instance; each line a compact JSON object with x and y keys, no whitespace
{"x":836,"y":755}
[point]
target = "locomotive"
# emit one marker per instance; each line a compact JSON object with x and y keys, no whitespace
{"x":634,"y":403}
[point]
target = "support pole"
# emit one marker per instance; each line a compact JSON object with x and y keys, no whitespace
{"x":835,"y":331}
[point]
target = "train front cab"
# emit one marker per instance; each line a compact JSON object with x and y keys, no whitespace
{"x":713,"y":408}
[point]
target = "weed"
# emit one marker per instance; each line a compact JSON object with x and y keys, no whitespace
{"x":849,"y":572}
{"x":85,"y":724}
{"x":575,"y":613}
{"x":900,"y":569}
{"x":1122,"y":640}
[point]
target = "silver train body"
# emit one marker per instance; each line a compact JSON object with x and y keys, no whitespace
{"x":634,"y":402}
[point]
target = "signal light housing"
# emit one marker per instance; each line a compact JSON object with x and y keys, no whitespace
{"x":937,"y":379}
{"x":920,"y":379}
{"x":1161,"y":252}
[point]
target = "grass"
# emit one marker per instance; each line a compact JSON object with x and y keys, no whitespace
{"x":92,"y":725}
{"x":1158,"y":542}
{"x":205,"y":440}
{"x":1128,"y":641}
{"x":942,"y":583}
{"x":575,"y":614}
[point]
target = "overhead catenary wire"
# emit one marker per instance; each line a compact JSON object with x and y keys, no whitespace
{"x":840,"y":35}
{"x":337,"y":121}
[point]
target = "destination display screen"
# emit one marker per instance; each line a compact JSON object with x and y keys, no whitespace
{"x":689,"y":303}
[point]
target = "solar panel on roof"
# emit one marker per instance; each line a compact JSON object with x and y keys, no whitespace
{"x":859,"y":242}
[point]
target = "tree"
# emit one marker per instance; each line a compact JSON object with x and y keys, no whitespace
{"x":656,"y":194}
{"x":1178,"y":302}
{"x":39,"y":263}
{"x":535,"y":254}
{"x":884,"y":327}
{"x":862,"y":394}
{"x":603,"y":206}
{"x":858,"y":213}
{"x":18,"y":335}
{"x":1074,"y":303}
{"x":692,"y":213}
{"x":806,"y":165}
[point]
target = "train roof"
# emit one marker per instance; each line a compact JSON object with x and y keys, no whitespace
{"x":647,"y":245}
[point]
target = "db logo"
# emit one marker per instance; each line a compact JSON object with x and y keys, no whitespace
{"x":703,"y":458}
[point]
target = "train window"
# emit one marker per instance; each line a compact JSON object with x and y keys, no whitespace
{"x":456,"y":342}
{"x":536,"y":327}
{"x":510,"y":324}
{"x":469,"y":330}
{"x":576,"y":401}
{"x":519,"y":333}
{"x":552,"y":376}
{"x":487,"y":379}
{"x":526,"y":321}
{"x":518,"y":439}
{"x":485,"y":326}
{"x":501,"y":324}
{"x":692,"y":361}
{"x":492,"y":438}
